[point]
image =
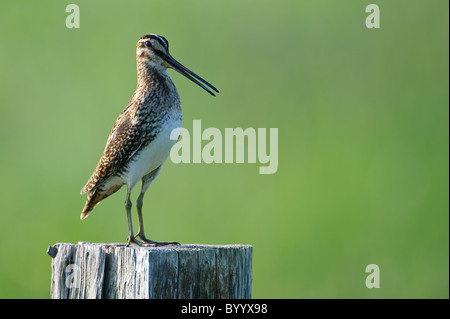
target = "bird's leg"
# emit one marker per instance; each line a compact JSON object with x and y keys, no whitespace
{"x":146,"y":181}
{"x":141,"y":234}
{"x":130,"y":238}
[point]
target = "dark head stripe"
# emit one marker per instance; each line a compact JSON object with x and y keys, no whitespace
{"x":163,"y":41}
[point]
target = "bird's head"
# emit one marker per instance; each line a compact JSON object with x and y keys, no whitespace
{"x":153,"y":50}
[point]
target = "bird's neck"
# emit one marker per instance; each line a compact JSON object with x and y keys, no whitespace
{"x":150,"y":76}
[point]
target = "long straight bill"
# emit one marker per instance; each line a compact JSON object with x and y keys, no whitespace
{"x":190,"y":75}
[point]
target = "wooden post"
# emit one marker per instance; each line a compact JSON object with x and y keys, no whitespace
{"x":90,"y":270}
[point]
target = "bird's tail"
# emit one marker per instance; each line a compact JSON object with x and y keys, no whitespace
{"x":94,"y":197}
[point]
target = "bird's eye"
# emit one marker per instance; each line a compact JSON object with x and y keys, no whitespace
{"x":147,"y":43}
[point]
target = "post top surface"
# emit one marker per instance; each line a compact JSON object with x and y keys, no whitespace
{"x":189,"y":247}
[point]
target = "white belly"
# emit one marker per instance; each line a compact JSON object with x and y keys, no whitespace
{"x":153,"y":155}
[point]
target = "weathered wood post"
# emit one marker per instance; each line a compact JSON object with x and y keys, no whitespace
{"x":90,"y":270}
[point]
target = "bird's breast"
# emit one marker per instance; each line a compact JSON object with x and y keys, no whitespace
{"x":152,"y":154}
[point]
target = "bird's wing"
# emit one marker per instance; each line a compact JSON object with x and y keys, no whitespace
{"x":123,"y":142}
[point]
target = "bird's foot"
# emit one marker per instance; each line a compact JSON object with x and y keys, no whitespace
{"x":151,"y":243}
{"x":133,"y":240}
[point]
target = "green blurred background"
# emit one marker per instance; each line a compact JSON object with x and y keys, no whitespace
{"x":362,"y":116}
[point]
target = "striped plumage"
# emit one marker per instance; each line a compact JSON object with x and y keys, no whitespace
{"x":139,"y":141}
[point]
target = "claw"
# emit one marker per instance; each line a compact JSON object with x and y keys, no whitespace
{"x":133,"y":240}
{"x":151,"y":243}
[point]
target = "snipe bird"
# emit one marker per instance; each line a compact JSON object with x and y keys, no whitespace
{"x":140,"y":142}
